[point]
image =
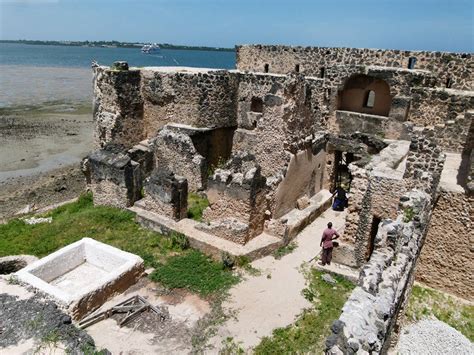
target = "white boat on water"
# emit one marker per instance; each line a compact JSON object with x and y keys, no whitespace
{"x":151,"y":48}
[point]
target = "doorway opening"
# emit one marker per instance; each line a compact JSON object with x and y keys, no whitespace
{"x":373,"y":233}
{"x":342,"y":175}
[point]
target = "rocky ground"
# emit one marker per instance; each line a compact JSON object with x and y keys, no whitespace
{"x":431,"y":336}
{"x":30,"y":193}
{"x":36,"y":325}
{"x":30,"y":323}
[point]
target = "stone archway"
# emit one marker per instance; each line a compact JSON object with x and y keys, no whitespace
{"x":365,"y":94}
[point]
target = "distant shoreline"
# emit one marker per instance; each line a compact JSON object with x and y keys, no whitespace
{"x":115,"y":44}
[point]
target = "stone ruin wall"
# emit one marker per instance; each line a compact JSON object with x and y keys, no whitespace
{"x":446,"y":113}
{"x":370,"y":319}
{"x":175,"y":152}
{"x":293,"y":109}
{"x":378,"y":197}
{"x":134,"y":105}
{"x":195,"y":98}
{"x":289,"y":114}
{"x":117,"y":107}
{"x":447,"y":259}
{"x":283,"y":60}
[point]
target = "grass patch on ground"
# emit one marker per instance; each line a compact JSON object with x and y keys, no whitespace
{"x":80,"y":219}
{"x":282,"y":251}
{"x":308,"y":334}
{"x":196,"y":205}
{"x":425,"y":302}
{"x":195,"y":272}
{"x":176,"y":265}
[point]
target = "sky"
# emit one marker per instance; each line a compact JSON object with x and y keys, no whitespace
{"x":445,"y":25}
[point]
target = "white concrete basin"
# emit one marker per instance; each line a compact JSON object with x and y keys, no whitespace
{"x":83,"y":275}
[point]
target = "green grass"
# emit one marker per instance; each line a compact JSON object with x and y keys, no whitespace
{"x":176,"y":266}
{"x":195,"y":272}
{"x":282,"y":251}
{"x":308,"y":334}
{"x":425,"y":303}
{"x":196,"y":205}
{"x":81,"y":219}
{"x":408,"y":214}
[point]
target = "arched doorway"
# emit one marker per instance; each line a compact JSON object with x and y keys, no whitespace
{"x":365,"y":94}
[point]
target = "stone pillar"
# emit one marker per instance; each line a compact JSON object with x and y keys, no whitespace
{"x":115,"y":178}
{"x":166,"y":194}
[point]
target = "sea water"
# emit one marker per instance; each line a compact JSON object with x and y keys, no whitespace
{"x":32,"y":74}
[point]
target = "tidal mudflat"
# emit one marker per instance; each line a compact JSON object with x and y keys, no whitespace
{"x":45,"y":130}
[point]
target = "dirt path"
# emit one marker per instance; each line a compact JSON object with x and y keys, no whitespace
{"x":273,"y":299}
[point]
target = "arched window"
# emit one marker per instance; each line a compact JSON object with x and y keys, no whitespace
{"x":370,"y":100}
{"x":365,"y":94}
{"x":266,"y":67}
{"x":256,"y":105}
{"x":297,"y":68}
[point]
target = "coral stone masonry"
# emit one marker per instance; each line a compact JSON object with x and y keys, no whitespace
{"x":269,"y":143}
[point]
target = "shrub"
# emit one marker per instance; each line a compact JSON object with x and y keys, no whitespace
{"x":228,"y":261}
{"x":179,"y":240}
{"x":196,"y":205}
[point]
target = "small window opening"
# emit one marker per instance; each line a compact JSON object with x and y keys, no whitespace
{"x":322,"y":72}
{"x":297,"y":68}
{"x":307,"y":94}
{"x":370,"y":100}
{"x":256,"y":105}
{"x":449,"y":82}
{"x":373,"y":233}
{"x":411,"y":62}
{"x":266,"y":67}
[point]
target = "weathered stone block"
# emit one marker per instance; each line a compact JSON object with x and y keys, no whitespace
{"x":115,"y":178}
{"x":166,"y":194}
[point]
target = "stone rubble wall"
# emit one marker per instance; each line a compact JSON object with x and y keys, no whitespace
{"x":446,"y":114}
{"x":237,"y":203}
{"x":425,"y":162}
{"x":115,"y":179}
{"x":199,"y":99}
{"x":369,"y":319}
{"x":400,"y":80}
{"x":431,"y":106}
{"x":283,"y":60}
{"x":349,"y":122}
{"x":375,"y":196}
{"x":447,"y":260}
{"x":291,"y":111}
{"x":117,"y":107}
{"x":166,"y":194}
{"x":175,"y":152}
